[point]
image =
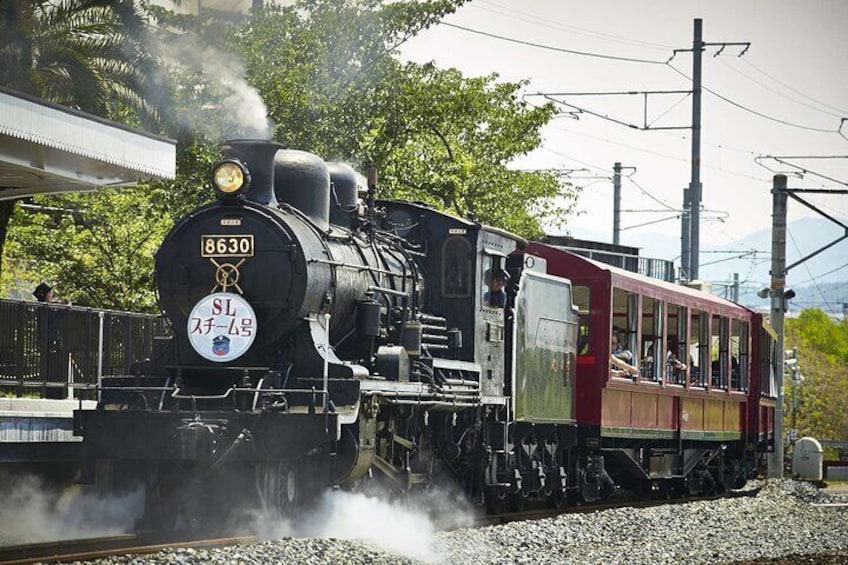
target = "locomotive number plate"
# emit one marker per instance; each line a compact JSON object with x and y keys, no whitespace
{"x":226,"y":245}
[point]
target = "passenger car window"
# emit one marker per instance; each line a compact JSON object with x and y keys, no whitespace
{"x":582,"y":300}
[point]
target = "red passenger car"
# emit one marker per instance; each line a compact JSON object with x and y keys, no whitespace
{"x":686,"y":401}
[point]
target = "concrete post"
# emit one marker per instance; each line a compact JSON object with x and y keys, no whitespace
{"x":778,"y":309}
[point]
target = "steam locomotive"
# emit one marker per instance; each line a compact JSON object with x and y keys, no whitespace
{"x":324,"y":337}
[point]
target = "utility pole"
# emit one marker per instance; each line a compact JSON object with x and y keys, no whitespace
{"x":691,"y":236}
{"x":780,"y":294}
{"x":734,"y":295}
{"x":778,"y":309}
{"x":684,"y":238}
{"x":616,"y":203}
{"x":695,"y":183}
{"x":616,"y":200}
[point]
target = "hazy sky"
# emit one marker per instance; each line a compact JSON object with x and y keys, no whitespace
{"x":796,"y":70}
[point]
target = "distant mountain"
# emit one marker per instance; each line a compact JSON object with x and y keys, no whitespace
{"x":821,"y":281}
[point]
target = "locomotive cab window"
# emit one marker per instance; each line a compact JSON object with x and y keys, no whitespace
{"x":494,"y":281}
{"x":456,"y":267}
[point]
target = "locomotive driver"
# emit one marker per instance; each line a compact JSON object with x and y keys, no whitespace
{"x":497,"y":294}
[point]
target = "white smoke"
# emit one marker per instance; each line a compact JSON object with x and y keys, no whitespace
{"x":251,"y":112}
{"x":401,"y":527}
{"x":377,"y":522}
{"x":33,"y":512}
{"x":217,"y":100}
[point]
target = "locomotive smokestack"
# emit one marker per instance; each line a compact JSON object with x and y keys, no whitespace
{"x":258,"y":156}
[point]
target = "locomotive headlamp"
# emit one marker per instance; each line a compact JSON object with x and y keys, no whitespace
{"x":230,"y":177}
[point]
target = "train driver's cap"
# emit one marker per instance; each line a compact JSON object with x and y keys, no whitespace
{"x":500,"y":274}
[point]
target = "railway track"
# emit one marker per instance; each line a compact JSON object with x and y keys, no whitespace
{"x":97,"y":548}
{"x":626,"y":501}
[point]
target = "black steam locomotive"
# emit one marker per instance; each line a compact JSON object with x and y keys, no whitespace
{"x":322,"y":337}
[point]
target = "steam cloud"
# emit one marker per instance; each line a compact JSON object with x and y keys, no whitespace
{"x":32,"y":512}
{"x":225,"y":105}
{"x":404,"y":528}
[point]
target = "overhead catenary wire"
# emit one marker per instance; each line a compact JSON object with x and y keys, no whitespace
{"x":674,"y":217}
{"x":643,"y":61}
{"x":544,"y":22}
{"x":646,"y":61}
{"x":824,"y":274}
{"x":752,"y":111}
{"x":552,"y":48}
{"x":807,"y":268}
{"x":783,"y":160}
{"x":750,"y":253}
{"x":792,"y":88}
{"x":651,"y":196}
{"x":665,"y":156}
{"x":779,"y":93}
{"x":598,"y":167}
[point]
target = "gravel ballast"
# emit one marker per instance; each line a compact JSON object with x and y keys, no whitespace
{"x":785,"y":518}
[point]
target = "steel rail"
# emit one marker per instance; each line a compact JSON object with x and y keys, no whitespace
{"x":65,"y":551}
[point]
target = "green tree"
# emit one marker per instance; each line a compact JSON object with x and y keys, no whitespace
{"x":450,"y":142}
{"x":335,"y":87}
{"x":328,"y":72}
{"x":84,"y":54}
{"x":98,"y":247}
{"x":822,"y":397}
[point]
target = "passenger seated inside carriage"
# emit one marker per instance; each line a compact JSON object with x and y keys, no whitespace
{"x":675,"y":370}
{"x":619,"y":366}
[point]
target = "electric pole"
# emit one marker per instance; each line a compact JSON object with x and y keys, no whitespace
{"x":684,"y":238}
{"x":616,"y":201}
{"x":690,"y":235}
{"x":778,"y":309}
{"x":695,"y":183}
{"x":734,"y":295}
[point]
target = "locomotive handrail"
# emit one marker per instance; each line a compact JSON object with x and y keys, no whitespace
{"x":384,"y":290}
{"x":462,"y":382}
{"x":176,"y":394}
{"x":324,"y":394}
{"x":237,"y":390}
{"x":359,"y":267}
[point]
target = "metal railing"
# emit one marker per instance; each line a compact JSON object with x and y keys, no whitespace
{"x":50,"y":349}
{"x":656,"y":268}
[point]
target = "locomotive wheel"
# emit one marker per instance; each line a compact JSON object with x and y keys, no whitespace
{"x":496,"y":498}
{"x":277,"y":486}
{"x":517,"y":501}
{"x":557,"y":499}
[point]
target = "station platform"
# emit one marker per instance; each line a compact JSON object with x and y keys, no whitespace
{"x":34,"y":430}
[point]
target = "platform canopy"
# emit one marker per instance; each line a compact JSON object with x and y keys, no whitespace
{"x":47,"y":148}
